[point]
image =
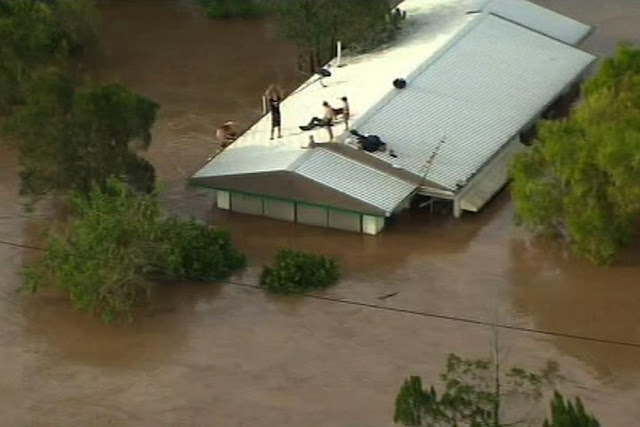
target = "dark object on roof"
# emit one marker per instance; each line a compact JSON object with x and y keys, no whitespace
{"x":369,"y":143}
{"x":324,"y":72}
{"x":399,"y":83}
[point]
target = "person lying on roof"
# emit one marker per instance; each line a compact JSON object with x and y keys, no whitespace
{"x":326,"y":120}
{"x":369,"y":143}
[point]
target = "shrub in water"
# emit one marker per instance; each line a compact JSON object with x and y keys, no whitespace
{"x":117,"y":243}
{"x":297,"y":272}
{"x":197,"y":251}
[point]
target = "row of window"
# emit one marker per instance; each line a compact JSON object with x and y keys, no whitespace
{"x":296,"y":212}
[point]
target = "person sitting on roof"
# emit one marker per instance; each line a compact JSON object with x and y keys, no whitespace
{"x":325,"y":121}
{"x":343,"y":111}
{"x":227,"y":133}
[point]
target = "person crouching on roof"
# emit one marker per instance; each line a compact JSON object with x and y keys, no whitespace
{"x":326,"y":121}
{"x":227,"y":133}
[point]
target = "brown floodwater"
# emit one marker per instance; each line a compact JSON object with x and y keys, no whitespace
{"x":224,"y":355}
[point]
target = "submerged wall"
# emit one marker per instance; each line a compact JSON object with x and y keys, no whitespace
{"x":299,"y":212}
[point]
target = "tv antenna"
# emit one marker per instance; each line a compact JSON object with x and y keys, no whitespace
{"x":429,"y":162}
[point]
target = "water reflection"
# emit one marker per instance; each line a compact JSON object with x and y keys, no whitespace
{"x":561,"y":293}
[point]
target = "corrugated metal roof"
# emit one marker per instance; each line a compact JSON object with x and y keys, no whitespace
{"x":540,"y":19}
{"x":491,"y":178}
{"x":364,"y":79}
{"x":355,"y":179}
{"x":249,"y":159}
{"x":483,"y":90}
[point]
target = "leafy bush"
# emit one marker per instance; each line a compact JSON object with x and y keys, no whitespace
{"x":297,"y":272}
{"x":117,"y":243}
{"x":198,"y":252}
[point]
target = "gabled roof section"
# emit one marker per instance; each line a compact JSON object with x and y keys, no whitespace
{"x":477,"y":95}
{"x":362,"y":182}
{"x":540,"y":19}
{"x":249,"y":159}
{"x":302,"y":187}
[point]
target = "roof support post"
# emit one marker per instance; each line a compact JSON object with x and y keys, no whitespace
{"x":457,"y":207}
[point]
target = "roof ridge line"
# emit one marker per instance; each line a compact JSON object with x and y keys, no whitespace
{"x":463,"y":32}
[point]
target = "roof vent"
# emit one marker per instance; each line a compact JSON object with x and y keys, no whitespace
{"x":399,"y":83}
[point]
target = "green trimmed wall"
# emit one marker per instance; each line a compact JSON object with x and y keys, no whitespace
{"x":299,"y":212}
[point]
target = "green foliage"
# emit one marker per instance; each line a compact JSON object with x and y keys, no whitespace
{"x":194,"y":251}
{"x":413,"y":403}
{"x":472,"y":396}
{"x":567,"y":414}
{"x":102,"y":260}
{"x":298,"y":272}
{"x":117,"y":242}
{"x":614,"y":71}
{"x":580,"y":182}
{"x":225,"y":9}
{"x":316,"y":25}
{"x":69,"y":138}
{"x":36,"y":35}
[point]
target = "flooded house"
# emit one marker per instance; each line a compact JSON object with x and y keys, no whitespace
{"x":453,"y":98}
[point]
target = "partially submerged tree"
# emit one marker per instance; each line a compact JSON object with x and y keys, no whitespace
{"x":580,"y":182}
{"x":117,"y":243}
{"x":297,"y":272}
{"x":568,"y":414}
{"x":71,"y":138}
{"x":316,"y":25}
{"x":474,"y":395}
{"x":41,"y":34}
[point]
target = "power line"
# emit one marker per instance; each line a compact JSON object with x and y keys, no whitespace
{"x":452,"y":318}
{"x":425,"y":314}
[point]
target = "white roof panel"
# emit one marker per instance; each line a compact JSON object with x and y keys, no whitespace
{"x":354,"y":179}
{"x":243,"y":160}
{"x":540,"y":19}
{"x":478,"y":94}
{"x":364,"y":79}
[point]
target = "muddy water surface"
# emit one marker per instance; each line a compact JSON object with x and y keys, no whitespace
{"x":229,"y":355}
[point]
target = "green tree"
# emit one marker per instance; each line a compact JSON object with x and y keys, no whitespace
{"x":316,"y":25}
{"x":473,"y":395}
{"x":298,"y":272}
{"x":615,"y":71}
{"x":38,"y":34}
{"x":567,"y":414}
{"x":70,"y":138}
{"x":192,"y":251}
{"x":117,"y":243}
{"x":580,"y":182}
